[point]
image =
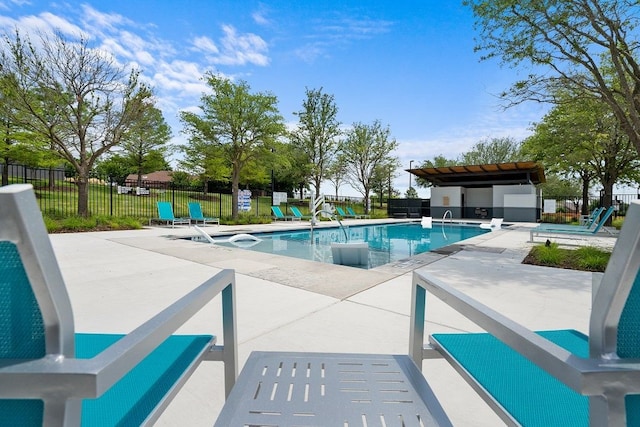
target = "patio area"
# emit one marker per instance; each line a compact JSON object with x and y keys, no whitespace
{"x":117,"y":280}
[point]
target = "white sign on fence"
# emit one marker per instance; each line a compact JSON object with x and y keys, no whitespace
{"x":549,"y":206}
{"x":244,"y":200}
{"x":279,"y":197}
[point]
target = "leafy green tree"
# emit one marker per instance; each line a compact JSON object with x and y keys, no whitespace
{"x":581,"y":137}
{"x":145,"y":143}
{"x":438,"y":161}
{"x":238,"y":126}
{"x":411,"y":193}
{"x":588,"y":46}
{"x":115,"y":167}
{"x":557,"y":187}
{"x":337,"y":172}
{"x":17,"y":145}
{"x":290,"y":168}
{"x":382,"y":179}
{"x":317,"y":133}
{"x":366,"y":147}
{"x":495,"y":150}
{"x":74,"y":96}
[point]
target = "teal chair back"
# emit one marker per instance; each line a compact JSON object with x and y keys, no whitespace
{"x":628,"y":344}
{"x":195,"y":210}
{"x":35,"y":311}
{"x":615,"y":316}
{"x":165,"y":211}
{"x":277,"y":212}
{"x":22,"y":332}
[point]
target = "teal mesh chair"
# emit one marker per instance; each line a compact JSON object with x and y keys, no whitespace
{"x":49,"y":375}
{"x":296,"y":212}
{"x":550,"y":378}
{"x":165,"y":215}
{"x":342,"y":214}
{"x":278,"y":215}
{"x":196,"y":216}
{"x":572,"y":231}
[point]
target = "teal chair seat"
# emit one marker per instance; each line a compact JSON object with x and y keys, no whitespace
{"x":133,"y":398}
{"x":522,"y":388}
{"x":553,"y":378}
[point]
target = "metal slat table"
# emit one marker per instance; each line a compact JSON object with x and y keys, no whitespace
{"x":331,"y":389}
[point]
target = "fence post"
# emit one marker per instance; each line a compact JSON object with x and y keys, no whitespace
{"x":110,"y":196}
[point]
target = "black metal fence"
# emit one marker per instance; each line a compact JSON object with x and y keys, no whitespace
{"x":57,"y":196}
{"x":566,"y":209}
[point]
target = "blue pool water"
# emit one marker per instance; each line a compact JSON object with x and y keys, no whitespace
{"x":387,"y":242}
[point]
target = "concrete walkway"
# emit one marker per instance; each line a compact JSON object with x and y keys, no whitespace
{"x":117,"y":280}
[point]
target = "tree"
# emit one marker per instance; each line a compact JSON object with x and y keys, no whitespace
{"x":581,"y":137}
{"x":381,"y":181}
{"x":317,"y":133}
{"x":588,"y":46}
{"x":558,"y":187}
{"x":144,"y":144}
{"x":336,"y":173}
{"x":115,"y":167}
{"x":17,"y":145}
{"x":366,"y":147}
{"x":495,"y":150}
{"x":236,"y":125}
{"x":76,"y":97}
{"x":438,"y":161}
{"x":411,"y":193}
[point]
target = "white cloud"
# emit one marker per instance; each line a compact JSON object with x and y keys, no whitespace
{"x":259,"y":17}
{"x":205,"y":44}
{"x":240,"y":49}
{"x":97,"y":20}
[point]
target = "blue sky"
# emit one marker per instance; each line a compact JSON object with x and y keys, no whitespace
{"x":409,"y":64}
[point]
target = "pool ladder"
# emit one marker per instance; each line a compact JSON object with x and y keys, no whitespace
{"x":448,"y":211}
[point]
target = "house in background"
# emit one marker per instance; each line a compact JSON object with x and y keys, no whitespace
{"x":153,"y":179}
{"x":499,"y":190}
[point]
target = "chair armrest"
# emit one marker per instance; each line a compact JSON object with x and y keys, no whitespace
{"x":90,"y":378}
{"x":586,"y":376}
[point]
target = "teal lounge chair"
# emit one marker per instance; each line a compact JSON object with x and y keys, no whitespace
{"x":342,"y":214}
{"x":590,"y":225}
{"x":571,"y":231}
{"x":588,"y":220}
{"x":355,"y":215}
{"x":296,"y":212}
{"x":549,"y":378}
{"x":52,"y":376}
{"x":278,"y":215}
{"x":165,"y":215}
{"x":196,"y":216}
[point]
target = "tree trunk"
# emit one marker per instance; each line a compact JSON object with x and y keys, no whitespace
{"x":585,"y":197}
{"x":366,"y":200}
{"x":83,"y":196}
{"x":235,"y":189}
{"x":52,"y":179}
{"x":5,"y":172}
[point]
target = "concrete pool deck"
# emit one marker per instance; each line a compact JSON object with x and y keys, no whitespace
{"x":117,"y":280}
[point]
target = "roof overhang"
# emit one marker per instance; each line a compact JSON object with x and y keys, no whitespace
{"x":483,"y":175}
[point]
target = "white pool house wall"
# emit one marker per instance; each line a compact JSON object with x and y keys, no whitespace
{"x":520,"y":202}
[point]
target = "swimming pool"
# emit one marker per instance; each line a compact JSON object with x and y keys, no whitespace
{"x":387,"y":242}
